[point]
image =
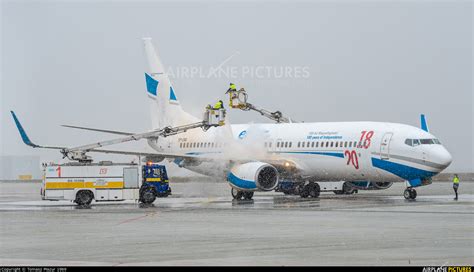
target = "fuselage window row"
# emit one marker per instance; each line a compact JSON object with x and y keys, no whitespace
{"x":286,"y":144}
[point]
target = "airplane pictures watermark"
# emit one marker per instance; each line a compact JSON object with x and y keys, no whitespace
{"x":238,"y":72}
{"x":234,"y":72}
{"x":447,"y":269}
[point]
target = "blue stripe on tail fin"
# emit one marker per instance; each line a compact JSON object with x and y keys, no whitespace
{"x":151,"y":84}
{"x":424,"y":125}
{"x":173,"y":95}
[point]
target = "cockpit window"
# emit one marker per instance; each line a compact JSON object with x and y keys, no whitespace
{"x":416,"y":142}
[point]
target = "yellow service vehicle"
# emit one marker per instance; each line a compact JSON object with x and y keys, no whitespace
{"x":82,"y":183}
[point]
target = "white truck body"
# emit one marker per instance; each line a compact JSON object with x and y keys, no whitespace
{"x":331,"y":186}
{"x":107,"y":181}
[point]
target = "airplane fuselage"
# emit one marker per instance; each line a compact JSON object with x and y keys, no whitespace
{"x":330,"y":151}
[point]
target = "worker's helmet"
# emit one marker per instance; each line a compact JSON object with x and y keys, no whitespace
{"x":221,"y":101}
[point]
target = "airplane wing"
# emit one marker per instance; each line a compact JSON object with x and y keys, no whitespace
{"x":100,"y":130}
{"x":281,"y":165}
{"x":93,"y":147}
{"x":148,"y":154}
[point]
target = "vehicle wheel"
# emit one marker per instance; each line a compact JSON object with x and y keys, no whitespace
{"x":304,"y":193}
{"x":147,"y":195}
{"x":413,"y":193}
{"x":407,"y":194}
{"x":314,"y":190}
{"x":248,"y":195}
{"x":84,"y":198}
{"x":347,"y":189}
{"x":236,"y":194}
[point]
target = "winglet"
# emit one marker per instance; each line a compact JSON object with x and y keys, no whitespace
{"x":424,"y":125}
{"x":23,"y":135}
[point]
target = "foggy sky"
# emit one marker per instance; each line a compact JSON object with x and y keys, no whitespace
{"x":82,"y":63}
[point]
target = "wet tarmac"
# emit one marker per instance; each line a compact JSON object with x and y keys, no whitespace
{"x":200,"y":225}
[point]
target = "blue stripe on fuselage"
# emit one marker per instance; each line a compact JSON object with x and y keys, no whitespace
{"x":403,"y":171}
{"x":333,"y":154}
{"x":201,"y":153}
{"x":339,"y":155}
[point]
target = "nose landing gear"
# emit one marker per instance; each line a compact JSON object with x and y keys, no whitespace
{"x":409,"y":193}
{"x":237,"y":195}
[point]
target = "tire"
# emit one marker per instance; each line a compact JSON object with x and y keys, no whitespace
{"x":304,"y":193}
{"x":147,"y":195}
{"x":413,"y":193}
{"x":347,"y":189}
{"x":248,"y":195}
{"x":314,"y":190}
{"x":236,"y":194}
{"x":84,"y":198}
{"x":407,"y":194}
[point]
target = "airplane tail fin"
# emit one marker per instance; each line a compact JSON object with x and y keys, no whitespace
{"x":165,"y":107}
{"x":424,"y":124}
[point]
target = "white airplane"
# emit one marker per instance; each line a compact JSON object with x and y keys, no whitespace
{"x":262,"y":157}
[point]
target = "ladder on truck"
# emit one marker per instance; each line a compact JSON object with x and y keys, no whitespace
{"x":212,"y":118}
{"x":238,"y":100}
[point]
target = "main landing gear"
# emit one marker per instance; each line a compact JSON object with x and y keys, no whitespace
{"x":409,"y":193}
{"x":238,"y":195}
{"x":303,"y":189}
{"x":309,"y":190}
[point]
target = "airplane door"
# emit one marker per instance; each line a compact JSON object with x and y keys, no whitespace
{"x":385,"y":146}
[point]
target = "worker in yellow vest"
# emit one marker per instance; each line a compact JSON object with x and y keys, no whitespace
{"x":219,"y":105}
{"x":456,"y":185}
{"x":231,"y":88}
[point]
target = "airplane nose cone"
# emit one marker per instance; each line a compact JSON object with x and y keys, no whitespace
{"x":442,"y":157}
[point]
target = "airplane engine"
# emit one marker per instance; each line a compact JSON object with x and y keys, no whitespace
{"x":382,"y":185}
{"x":367,"y":185}
{"x":154,"y":159}
{"x":253,"y":176}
